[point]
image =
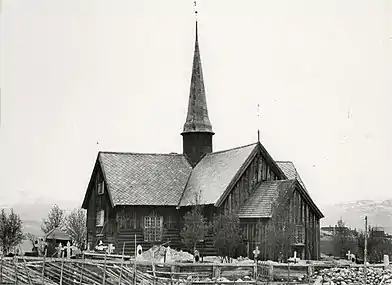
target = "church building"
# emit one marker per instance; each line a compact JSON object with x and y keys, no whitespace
{"x":147,"y":194}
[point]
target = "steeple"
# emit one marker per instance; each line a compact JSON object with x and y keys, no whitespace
{"x":197,"y":118}
{"x":197,"y":133}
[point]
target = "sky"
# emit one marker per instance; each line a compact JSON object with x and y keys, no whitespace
{"x":77,"y":77}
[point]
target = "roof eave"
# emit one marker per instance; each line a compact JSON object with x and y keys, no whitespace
{"x":86,"y":195}
{"x":309,"y":200}
{"x":106,"y":180}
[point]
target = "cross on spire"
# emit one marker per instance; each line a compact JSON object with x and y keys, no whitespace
{"x":195,"y":7}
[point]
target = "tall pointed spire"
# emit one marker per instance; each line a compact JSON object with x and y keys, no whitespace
{"x":197,"y":133}
{"x":197,"y":119}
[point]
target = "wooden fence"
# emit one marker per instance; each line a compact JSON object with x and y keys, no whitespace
{"x":35,"y":270}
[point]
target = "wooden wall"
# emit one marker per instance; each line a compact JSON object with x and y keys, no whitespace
{"x":99,"y":202}
{"x":122,"y":223}
{"x":302,"y":222}
{"x":258,"y":170}
{"x":292,"y":211}
{"x":130,"y":222}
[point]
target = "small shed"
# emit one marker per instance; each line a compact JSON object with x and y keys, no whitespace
{"x":54,"y":238}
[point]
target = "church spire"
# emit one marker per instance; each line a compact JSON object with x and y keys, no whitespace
{"x":197,"y":119}
{"x":197,"y":133}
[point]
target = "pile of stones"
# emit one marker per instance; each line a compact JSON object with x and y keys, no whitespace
{"x":353,"y":275}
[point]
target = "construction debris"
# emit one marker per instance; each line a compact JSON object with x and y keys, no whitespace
{"x":158,"y":253}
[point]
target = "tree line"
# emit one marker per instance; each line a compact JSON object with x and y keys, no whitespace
{"x":12,"y":234}
{"x":345,"y":239}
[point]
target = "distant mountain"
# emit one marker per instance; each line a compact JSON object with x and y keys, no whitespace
{"x":379,"y":214}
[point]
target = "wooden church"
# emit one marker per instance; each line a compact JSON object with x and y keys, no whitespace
{"x":147,"y":194}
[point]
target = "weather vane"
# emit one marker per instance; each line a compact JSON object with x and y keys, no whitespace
{"x":195,"y":7}
{"x":258,"y":118}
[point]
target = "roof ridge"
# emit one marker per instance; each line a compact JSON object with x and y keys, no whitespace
{"x":140,"y":153}
{"x":230,"y":149}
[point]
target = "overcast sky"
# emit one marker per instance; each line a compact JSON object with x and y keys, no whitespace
{"x":74,"y":73}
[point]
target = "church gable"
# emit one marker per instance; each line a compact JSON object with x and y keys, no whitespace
{"x":97,"y":187}
{"x":214,"y":174}
{"x":259,"y":167}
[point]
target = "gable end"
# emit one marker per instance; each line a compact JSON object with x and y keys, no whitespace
{"x":98,"y":169}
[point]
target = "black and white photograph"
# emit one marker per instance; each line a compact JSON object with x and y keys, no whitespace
{"x":192,"y":142}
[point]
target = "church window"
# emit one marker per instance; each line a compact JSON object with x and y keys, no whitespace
{"x":101,"y":188}
{"x":268,"y":174}
{"x":100,"y":218}
{"x":170,"y":222}
{"x":153,"y":228}
{"x":259,"y":169}
{"x":264,"y":171}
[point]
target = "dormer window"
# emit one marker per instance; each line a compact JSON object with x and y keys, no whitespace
{"x":101,"y":188}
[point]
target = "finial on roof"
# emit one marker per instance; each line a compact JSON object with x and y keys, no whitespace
{"x":258,"y":117}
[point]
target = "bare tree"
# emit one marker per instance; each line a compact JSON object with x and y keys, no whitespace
{"x":55,"y":219}
{"x":377,"y":245}
{"x":227,"y":234}
{"x":195,"y":227}
{"x":343,"y":240}
{"x":11,"y":233}
{"x":75,"y":226}
{"x":32,"y":238}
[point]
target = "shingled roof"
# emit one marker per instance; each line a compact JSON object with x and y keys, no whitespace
{"x":145,"y":179}
{"x":213,"y":174}
{"x":169,"y":180}
{"x":260,"y":203}
{"x":290,"y":171}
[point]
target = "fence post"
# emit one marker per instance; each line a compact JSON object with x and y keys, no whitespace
{"x":1,"y":270}
{"x":62,"y":268}
{"x":122,"y":264}
{"x":171,"y":274}
{"x":104,"y":270}
{"x":27,"y":270}
{"x":288,"y":272}
{"x":255,"y":270}
{"x":43,"y":266}
{"x":16,"y":270}
{"x":82,"y":269}
{"x":310,"y":271}
{"x":271,"y":272}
